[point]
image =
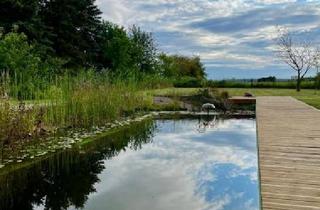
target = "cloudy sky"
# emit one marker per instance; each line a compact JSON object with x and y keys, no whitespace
{"x":235,"y":38}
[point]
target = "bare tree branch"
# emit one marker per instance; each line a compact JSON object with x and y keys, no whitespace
{"x":300,"y":56}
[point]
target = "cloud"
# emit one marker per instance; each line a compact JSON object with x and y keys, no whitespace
{"x":257,"y":19}
{"x":225,"y":32}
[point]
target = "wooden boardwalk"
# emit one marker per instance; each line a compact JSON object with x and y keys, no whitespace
{"x":289,"y":154}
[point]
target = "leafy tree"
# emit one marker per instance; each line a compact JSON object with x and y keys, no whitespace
{"x":18,"y":59}
{"x":190,"y":67}
{"x":22,"y":62}
{"x":143,"y":51}
{"x":127,"y":52}
{"x":17,"y":55}
{"x":114,"y":47}
{"x":268,"y":79}
{"x":182,"y":66}
{"x":17,"y":12}
{"x":65,"y":27}
{"x":23,"y":16}
{"x":74,"y":24}
{"x":169,"y":67}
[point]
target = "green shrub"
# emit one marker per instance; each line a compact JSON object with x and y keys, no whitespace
{"x":16,"y":122}
{"x":28,"y":72}
{"x":317,"y":81}
{"x":224,"y":95}
{"x":188,"y":82}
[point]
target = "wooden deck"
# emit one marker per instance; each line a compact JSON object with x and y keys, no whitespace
{"x":289,"y":154}
{"x":239,"y":100}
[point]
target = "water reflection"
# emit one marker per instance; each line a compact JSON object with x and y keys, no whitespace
{"x":67,"y":179}
{"x":153,"y":165}
{"x":206,"y":122}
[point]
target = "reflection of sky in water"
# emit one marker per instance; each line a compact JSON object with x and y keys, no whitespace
{"x":183,"y":169}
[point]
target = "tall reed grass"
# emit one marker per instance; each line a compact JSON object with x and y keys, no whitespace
{"x":82,"y":101}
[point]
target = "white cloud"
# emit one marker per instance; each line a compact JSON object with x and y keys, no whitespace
{"x":275,"y":1}
{"x":173,"y":19}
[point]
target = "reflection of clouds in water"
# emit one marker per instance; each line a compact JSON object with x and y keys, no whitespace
{"x":229,"y":133}
{"x":240,"y":125}
{"x":232,"y":181}
{"x":183,"y":169}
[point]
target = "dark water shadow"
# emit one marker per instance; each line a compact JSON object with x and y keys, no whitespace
{"x":66,"y":179}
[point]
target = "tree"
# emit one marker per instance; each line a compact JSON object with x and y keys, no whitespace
{"x":317,"y":81}
{"x":19,"y":60}
{"x":143,"y":51}
{"x":268,"y":79}
{"x":17,"y":12}
{"x":182,"y":66}
{"x":74,"y":24}
{"x":298,"y":55}
{"x":114,"y":47}
{"x":316,"y":64}
{"x":23,"y":17}
{"x":17,"y":56}
{"x":27,"y":70}
{"x":168,"y":65}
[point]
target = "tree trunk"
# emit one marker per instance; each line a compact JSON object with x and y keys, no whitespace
{"x":298,"y":83}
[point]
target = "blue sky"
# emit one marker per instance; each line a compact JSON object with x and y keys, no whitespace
{"x":234,"y":38}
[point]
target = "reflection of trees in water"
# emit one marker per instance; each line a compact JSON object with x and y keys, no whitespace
{"x":66,"y":179}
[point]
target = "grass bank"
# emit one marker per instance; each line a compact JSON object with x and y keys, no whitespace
{"x":311,"y":97}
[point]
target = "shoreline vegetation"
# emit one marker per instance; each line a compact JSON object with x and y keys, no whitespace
{"x":37,"y":151}
{"x":40,"y":127}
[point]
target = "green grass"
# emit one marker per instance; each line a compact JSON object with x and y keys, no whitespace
{"x":306,"y":84}
{"x":308,"y":96}
{"x":173,"y":92}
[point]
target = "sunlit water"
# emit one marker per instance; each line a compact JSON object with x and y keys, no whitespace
{"x":188,"y":164}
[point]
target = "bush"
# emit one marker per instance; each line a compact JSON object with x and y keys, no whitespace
{"x":28,"y":72}
{"x":210,"y":84}
{"x":224,"y":95}
{"x":188,"y":82}
{"x":177,"y":66}
{"x":16,"y":122}
{"x":317,"y":81}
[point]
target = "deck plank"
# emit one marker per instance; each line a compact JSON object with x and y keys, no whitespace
{"x":289,"y":153}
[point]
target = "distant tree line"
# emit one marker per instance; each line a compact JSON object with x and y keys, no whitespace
{"x":50,"y":36}
{"x":268,"y":79}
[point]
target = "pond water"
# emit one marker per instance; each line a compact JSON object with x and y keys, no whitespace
{"x":188,"y":164}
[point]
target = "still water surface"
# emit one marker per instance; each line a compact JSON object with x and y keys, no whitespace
{"x":190,"y":164}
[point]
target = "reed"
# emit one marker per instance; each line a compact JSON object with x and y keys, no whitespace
{"x":82,"y":101}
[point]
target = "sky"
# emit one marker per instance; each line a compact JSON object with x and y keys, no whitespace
{"x":234,"y":38}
